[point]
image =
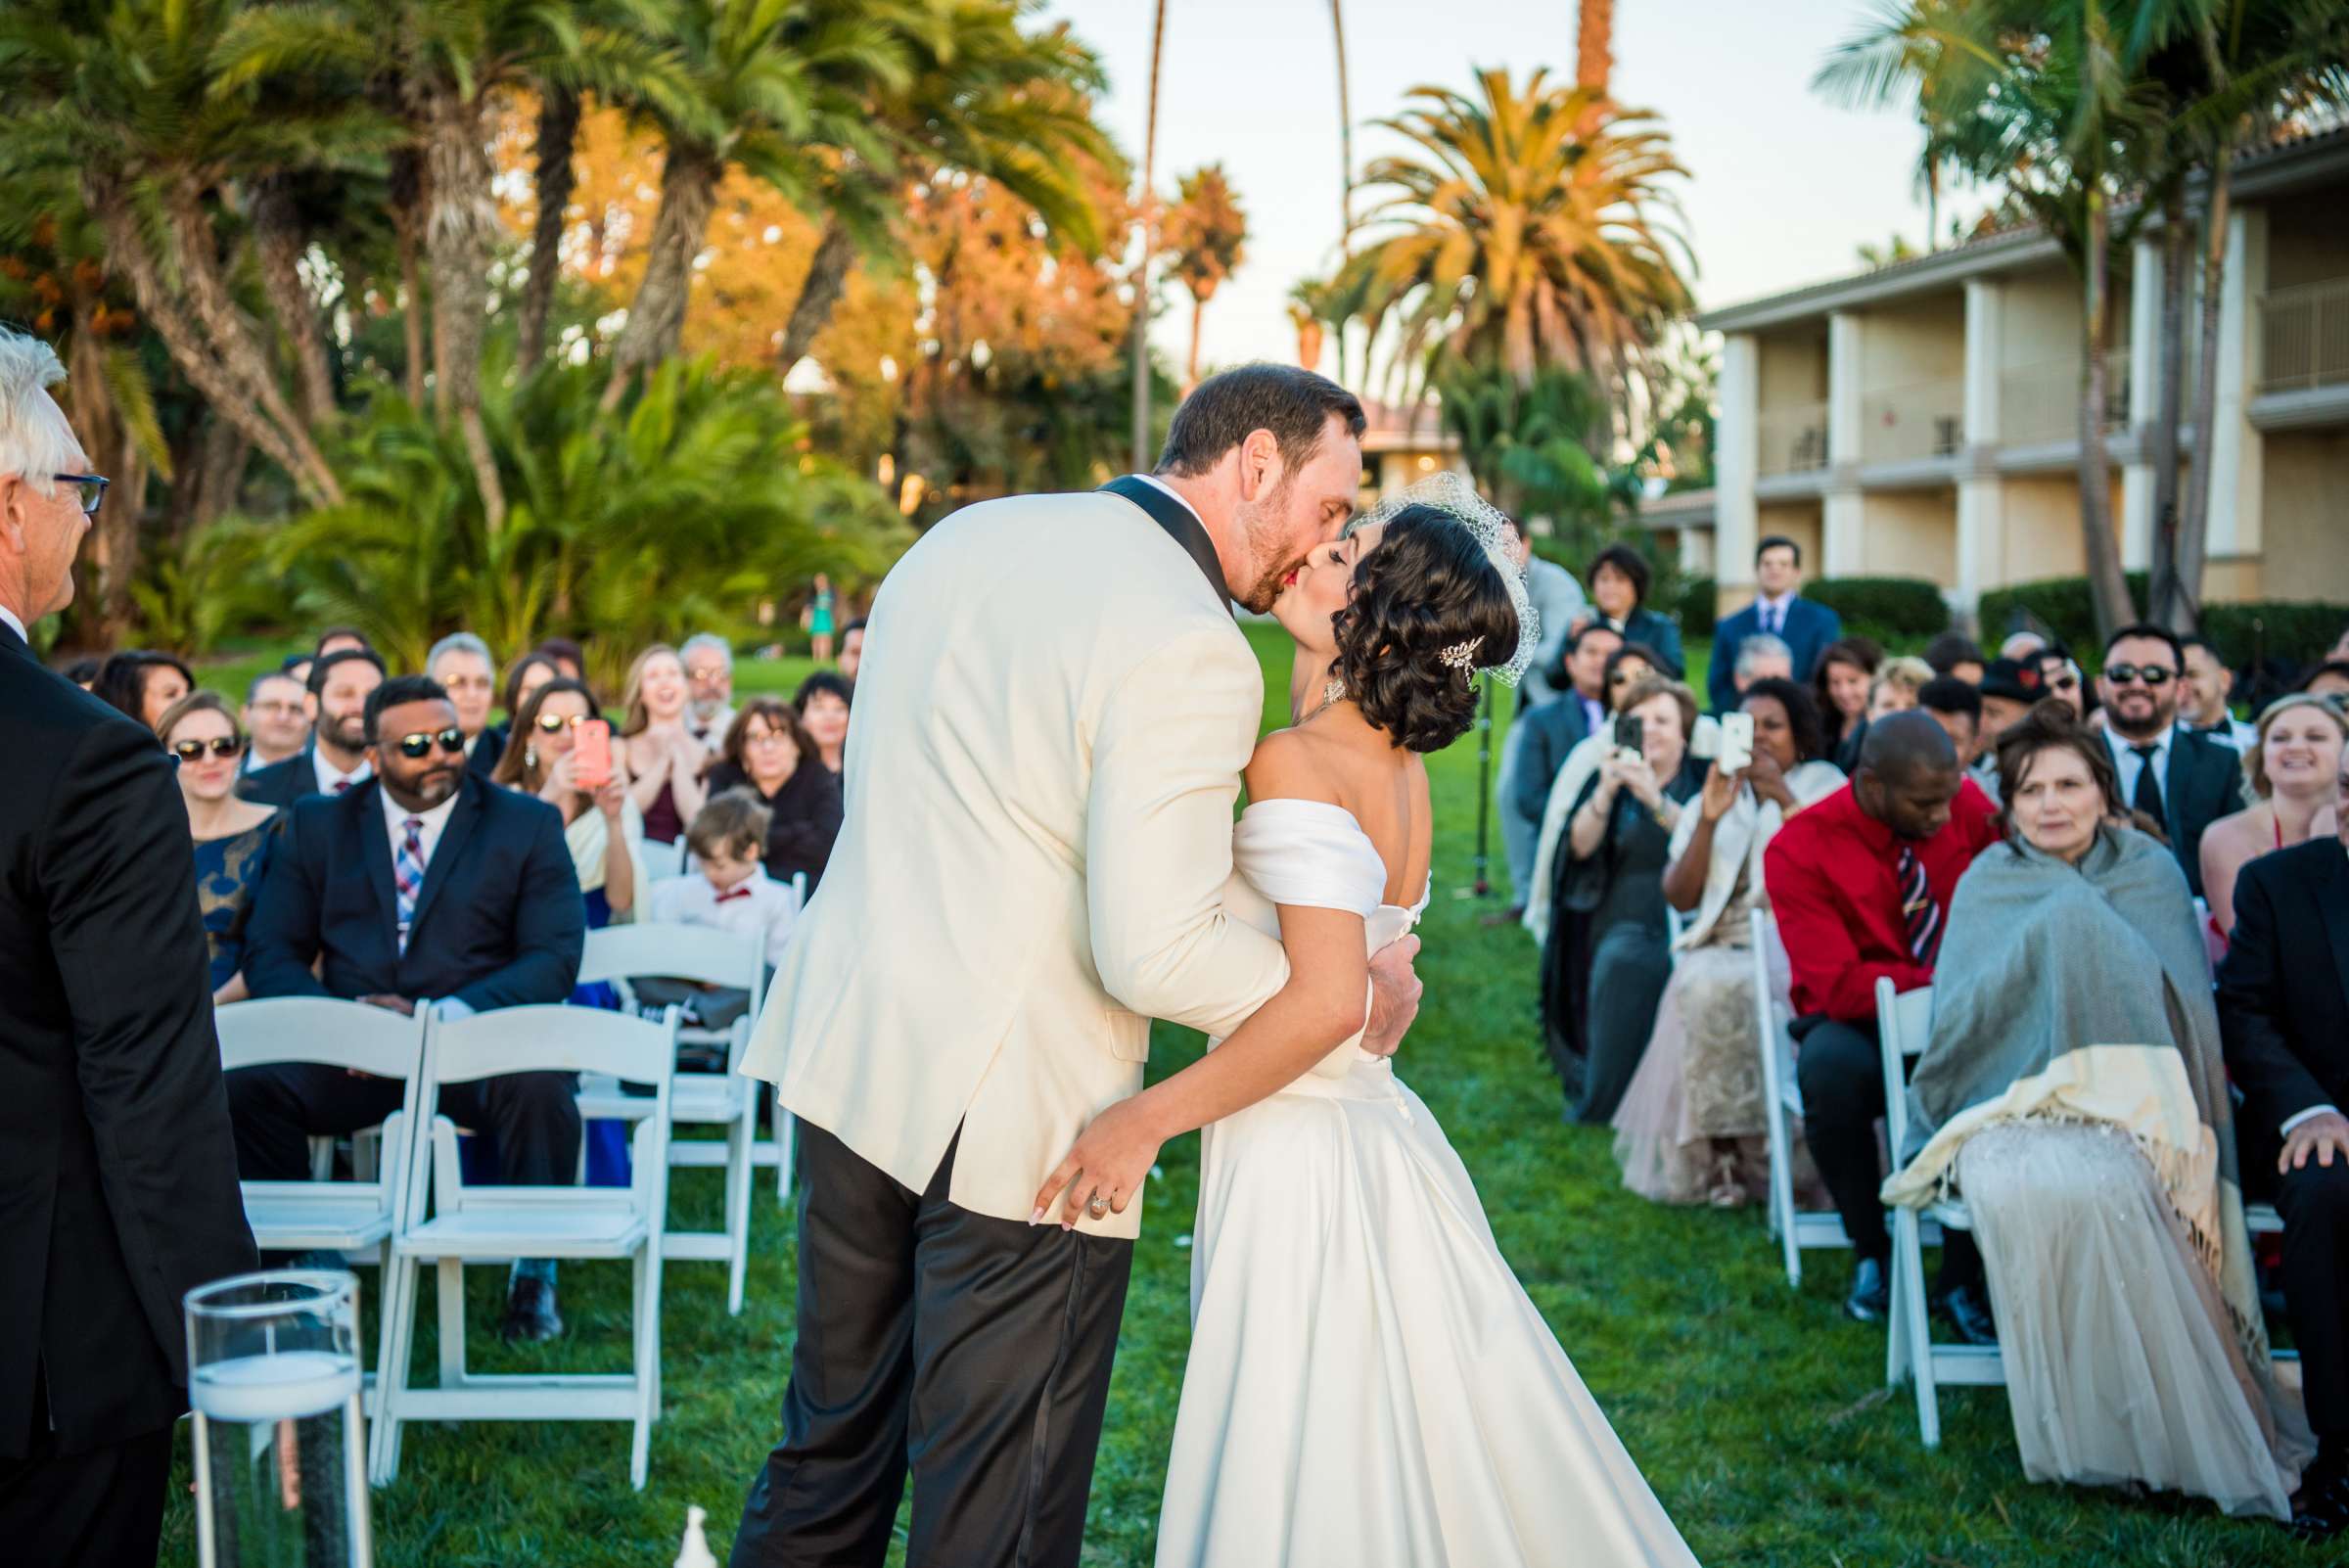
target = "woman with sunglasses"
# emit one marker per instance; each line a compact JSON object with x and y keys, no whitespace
{"x":233,"y":836}
{"x":601,"y":824}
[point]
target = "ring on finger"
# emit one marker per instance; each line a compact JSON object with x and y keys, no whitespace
{"x":1098,"y":1205}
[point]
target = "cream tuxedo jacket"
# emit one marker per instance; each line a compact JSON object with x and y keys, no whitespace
{"x":1051,"y":719}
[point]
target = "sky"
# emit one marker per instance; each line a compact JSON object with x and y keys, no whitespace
{"x":1784,"y":186}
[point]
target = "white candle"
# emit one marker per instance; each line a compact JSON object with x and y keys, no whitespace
{"x":274,"y":1388}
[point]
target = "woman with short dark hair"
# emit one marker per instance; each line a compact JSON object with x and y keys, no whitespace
{"x":143,"y":683}
{"x":1619,"y":581}
{"x":823,"y":701}
{"x":772,"y":756}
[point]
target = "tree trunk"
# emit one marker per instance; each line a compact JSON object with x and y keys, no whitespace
{"x":1594,"y":47}
{"x":1145,"y":215}
{"x":656,"y":327}
{"x":407,"y":228}
{"x":812,"y":312}
{"x":1190,"y":364}
{"x":197,"y":359}
{"x":2165,"y":603}
{"x":2194,"y":528}
{"x":459,"y":237}
{"x":231,"y":332}
{"x":558,"y":134}
{"x":1308,"y":342}
{"x":278,"y":245}
{"x":207,"y":473}
{"x":100,"y":617}
{"x":1337,"y":31}
{"x":2107,"y":583}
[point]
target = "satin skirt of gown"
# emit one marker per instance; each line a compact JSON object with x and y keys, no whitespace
{"x":1368,"y":1385}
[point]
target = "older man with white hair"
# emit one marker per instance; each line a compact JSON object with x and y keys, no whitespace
{"x":465,"y":668}
{"x":708,"y":661}
{"x":1762,"y":656}
{"x":115,"y":1145}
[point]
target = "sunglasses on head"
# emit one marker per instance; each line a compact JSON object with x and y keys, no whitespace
{"x":419,"y":744}
{"x":2153,"y":676}
{"x":221,"y":746}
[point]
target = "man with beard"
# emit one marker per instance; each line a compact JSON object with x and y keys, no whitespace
{"x":424,"y":881}
{"x":708,"y":661}
{"x":2181,"y":778}
{"x":336,"y":760}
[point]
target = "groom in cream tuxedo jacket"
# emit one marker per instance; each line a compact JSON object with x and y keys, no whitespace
{"x":1051,"y":717}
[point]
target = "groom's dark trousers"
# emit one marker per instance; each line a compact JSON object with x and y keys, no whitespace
{"x":976,"y":1350}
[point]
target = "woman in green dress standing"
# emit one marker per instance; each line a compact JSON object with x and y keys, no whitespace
{"x":819,"y":619}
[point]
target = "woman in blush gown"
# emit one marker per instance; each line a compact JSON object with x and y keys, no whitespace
{"x":1368,"y":1385}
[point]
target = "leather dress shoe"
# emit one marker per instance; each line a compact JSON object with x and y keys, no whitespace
{"x":1871,"y":1292}
{"x":2321,"y":1507}
{"x":530,"y":1313}
{"x":1966,"y":1310}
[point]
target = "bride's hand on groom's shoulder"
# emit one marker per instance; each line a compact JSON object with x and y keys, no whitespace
{"x":1394,"y":996}
{"x":1111,"y":1161}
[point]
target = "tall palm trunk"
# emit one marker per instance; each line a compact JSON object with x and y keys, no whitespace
{"x":1594,"y":47}
{"x":459,"y":235}
{"x":2194,"y":528}
{"x":812,"y":312}
{"x":2166,"y":602}
{"x":101,"y":616}
{"x":1190,"y":362}
{"x":656,"y":326}
{"x":1147,"y":216}
{"x":407,"y":230}
{"x":278,"y":245}
{"x":558,"y":134}
{"x":1337,"y":29}
{"x":2107,"y":583}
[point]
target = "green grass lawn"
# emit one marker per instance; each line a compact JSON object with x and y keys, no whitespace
{"x":1758,"y":1413}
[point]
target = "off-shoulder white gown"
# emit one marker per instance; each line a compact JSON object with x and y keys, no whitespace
{"x":1368,"y":1385}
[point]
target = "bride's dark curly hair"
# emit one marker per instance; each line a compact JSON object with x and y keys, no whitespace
{"x":1429,"y":585}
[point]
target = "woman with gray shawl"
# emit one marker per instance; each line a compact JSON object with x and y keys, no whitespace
{"x":2072,"y":1093}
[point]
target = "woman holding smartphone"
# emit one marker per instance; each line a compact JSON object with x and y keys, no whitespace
{"x":588,"y":784}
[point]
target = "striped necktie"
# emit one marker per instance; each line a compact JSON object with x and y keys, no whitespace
{"x":407,"y":874}
{"x":1917,"y":908}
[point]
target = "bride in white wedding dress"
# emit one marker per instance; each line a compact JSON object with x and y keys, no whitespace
{"x":1368,"y":1385}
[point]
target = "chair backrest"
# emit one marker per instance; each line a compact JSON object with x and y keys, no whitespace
{"x":554,"y":1038}
{"x":319,"y":1028}
{"x":1903,"y":1023}
{"x":663,"y":861}
{"x":672,"y":952}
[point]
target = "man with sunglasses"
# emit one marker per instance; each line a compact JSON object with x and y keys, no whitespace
{"x":115,"y":1151}
{"x":2178,"y":778}
{"x":423,"y":882}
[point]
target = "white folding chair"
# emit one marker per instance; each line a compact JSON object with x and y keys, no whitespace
{"x":1797,"y":1229}
{"x":1903,"y":1023}
{"x":663,"y":860}
{"x":352,"y":1217}
{"x":728,"y":1099}
{"x":495,"y":1224}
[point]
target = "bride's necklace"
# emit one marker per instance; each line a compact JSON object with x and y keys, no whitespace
{"x":1333,"y":692}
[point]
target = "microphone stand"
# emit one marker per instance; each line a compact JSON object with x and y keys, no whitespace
{"x":1484,"y":788}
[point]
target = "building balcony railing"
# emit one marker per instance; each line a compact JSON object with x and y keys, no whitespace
{"x":2039,"y":403}
{"x":1908,"y":424}
{"x":1794,"y":438}
{"x":2304,"y":337}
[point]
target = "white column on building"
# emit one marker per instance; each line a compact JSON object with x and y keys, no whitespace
{"x":1736,"y":466}
{"x":2236,"y":473}
{"x":1841,"y":547}
{"x":2145,"y":404}
{"x":1981,"y":508}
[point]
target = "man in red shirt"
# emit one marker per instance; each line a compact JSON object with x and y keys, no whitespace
{"x":1860,"y":883}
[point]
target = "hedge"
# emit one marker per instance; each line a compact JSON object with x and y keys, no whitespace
{"x":1892,"y":610}
{"x":2245,"y":635}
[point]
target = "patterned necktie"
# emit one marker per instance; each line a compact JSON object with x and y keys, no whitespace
{"x":407,"y":874}
{"x":2149,"y":783}
{"x":1773,"y":617}
{"x":1917,"y":908}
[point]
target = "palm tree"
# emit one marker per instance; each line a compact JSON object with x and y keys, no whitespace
{"x":1206,"y":235}
{"x":1145,"y":216}
{"x":1513,"y":239}
{"x":1594,"y":48}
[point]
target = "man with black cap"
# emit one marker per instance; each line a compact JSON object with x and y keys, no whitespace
{"x":2010,"y":688}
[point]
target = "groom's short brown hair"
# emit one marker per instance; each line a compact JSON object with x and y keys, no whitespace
{"x":1221,"y":411}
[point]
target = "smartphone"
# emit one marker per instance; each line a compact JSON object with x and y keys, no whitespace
{"x":591,"y":753}
{"x":1736,"y":742}
{"x":1630,"y":730}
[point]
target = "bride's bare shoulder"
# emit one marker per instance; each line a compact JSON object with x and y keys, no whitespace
{"x":1293,"y":765}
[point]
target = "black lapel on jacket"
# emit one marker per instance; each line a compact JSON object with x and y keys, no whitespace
{"x":10,"y":643}
{"x":1182,"y":526}
{"x":447,"y":852}
{"x":363,"y":814}
{"x":2330,"y":896}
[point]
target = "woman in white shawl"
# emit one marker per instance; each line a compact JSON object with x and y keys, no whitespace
{"x":2073,"y":1093}
{"x":1690,"y":1128}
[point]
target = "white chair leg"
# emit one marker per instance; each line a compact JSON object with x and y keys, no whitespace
{"x":740,"y":1134}
{"x":786,"y":1138}
{"x":647,"y":1363}
{"x":452,"y":1322}
{"x":1910,"y":1284}
{"x":391,"y":1372}
{"x":1781,"y":1197}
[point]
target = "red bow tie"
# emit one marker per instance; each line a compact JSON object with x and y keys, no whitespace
{"x":741,"y":892}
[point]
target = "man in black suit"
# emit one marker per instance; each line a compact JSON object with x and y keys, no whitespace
{"x":1539,"y":737}
{"x":2284,"y":1009}
{"x":1780,"y":611}
{"x":118,"y":1180}
{"x":424,"y":883}
{"x":2178,"y":778}
{"x":335,"y":761}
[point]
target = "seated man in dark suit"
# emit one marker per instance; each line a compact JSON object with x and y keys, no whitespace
{"x":2284,"y":1012}
{"x":1779,"y":610}
{"x":1540,"y":736}
{"x":336,"y":760}
{"x":424,"y":883}
{"x":2179,"y":777}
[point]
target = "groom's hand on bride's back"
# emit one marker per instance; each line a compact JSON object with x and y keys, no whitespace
{"x":1394,"y":996}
